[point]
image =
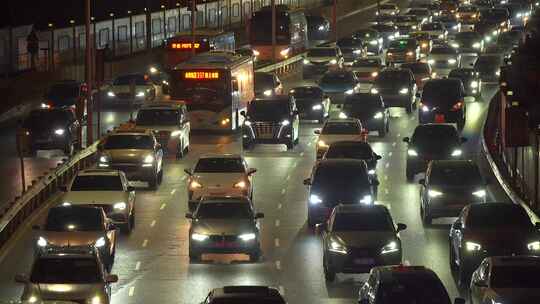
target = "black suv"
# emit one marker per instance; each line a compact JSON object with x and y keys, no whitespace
{"x":431,"y":142}
{"x":52,"y":129}
{"x":354,"y":150}
{"x":371,"y":111}
{"x":359,"y":237}
{"x":67,"y":93}
{"x":468,"y":42}
{"x":471,"y":81}
{"x":271,"y":120}
{"x":352,"y":49}
{"x":397,"y":88}
{"x":311,"y":102}
{"x":443,"y":100}
{"x":244,"y":295}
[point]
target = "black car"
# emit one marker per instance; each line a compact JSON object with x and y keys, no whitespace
{"x":443,"y":101}
{"x":450,"y":22}
{"x":397,"y":88}
{"x":403,"y":50}
{"x":372,"y":39}
{"x":487,"y":30}
{"x":470,"y":79}
{"x":496,"y":16}
{"x":371,"y":111}
{"x":271,"y":120}
{"x":388,"y":32}
{"x":224,"y":225}
{"x":352,"y":49}
{"x":267,"y":84}
{"x":431,"y":142}
{"x":67,"y":93}
{"x":489,"y":67}
{"x":468,"y":42}
{"x":338,"y":181}
{"x":52,"y":129}
{"x":244,"y":295}
{"x":318,"y":28}
{"x":449,"y":186}
{"x":358,"y":237}
{"x":311,"y":102}
{"x":354,"y":150}
{"x":406,"y":24}
{"x":494,"y":229}
{"x":509,"y":40}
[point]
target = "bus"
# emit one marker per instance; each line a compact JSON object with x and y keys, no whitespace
{"x":179,"y":48}
{"x":216,"y":87}
{"x":291,"y":33}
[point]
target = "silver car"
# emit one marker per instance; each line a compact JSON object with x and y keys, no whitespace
{"x":321,"y":59}
{"x":443,"y":59}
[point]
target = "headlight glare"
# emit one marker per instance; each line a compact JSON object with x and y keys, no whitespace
{"x":267,"y":92}
{"x":111,"y":94}
{"x":100,"y":242}
{"x":476,"y":45}
{"x":240,"y":184}
{"x":199,"y":237}
{"x":247,"y":237}
{"x":317,"y":107}
{"x":390,"y":248}
{"x":434,"y":193}
{"x":457,"y":152}
{"x":305,"y":61}
{"x":333,"y":61}
{"x":285,"y":122}
{"x":349,"y":92}
{"x":41,"y":242}
{"x":315,"y":199}
{"x":452,"y":61}
{"x":195,"y":185}
{"x":322,"y":144}
{"x":474,"y":84}
{"x":59,"y":131}
{"x":337,"y":247}
{"x":479,"y":193}
{"x":534,"y":246}
{"x":374,"y":91}
{"x":367,"y":199}
{"x":120,"y":206}
{"x":378,"y":115}
{"x":176,"y":133}
{"x":141,"y":94}
{"x":471,"y":246}
{"x":148,"y":159}
{"x":403,"y":91}
{"x":342,"y":115}
{"x":412,"y":152}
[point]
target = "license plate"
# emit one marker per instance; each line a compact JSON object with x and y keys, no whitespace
{"x":266,"y":136}
{"x":364,"y":261}
{"x":227,"y":244}
{"x":439,"y":118}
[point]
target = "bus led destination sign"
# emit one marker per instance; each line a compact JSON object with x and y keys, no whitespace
{"x":185,"y":46}
{"x":201,"y":75}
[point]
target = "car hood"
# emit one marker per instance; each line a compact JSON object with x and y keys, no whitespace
{"x":335,"y":87}
{"x":438,"y":150}
{"x":223,"y":226}
{"x":330,"y":139}
{"x":127,"y":155}
{"x":365,"y":69}
{"x":66,"y":292}
{"x":515,"y":295}
{"x":441,"y":56}
{"x":365,"y":239}
{"x":511,"y":237}
{"x":127,"y":89}
{"x":71,"y":239}
{"x":219,"y":180}
{"x":94,"y":197}
{"x":159,"y":127}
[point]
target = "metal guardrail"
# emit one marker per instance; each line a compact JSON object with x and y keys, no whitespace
{"x":282,"y":66}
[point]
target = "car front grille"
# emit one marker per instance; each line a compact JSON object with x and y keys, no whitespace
{"x":266,"y":129}
{"x":124,"y":96}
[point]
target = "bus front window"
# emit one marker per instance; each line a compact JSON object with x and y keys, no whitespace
{"x":203,"y":95}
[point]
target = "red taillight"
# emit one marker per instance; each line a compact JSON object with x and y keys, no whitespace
{"x":458,"y":106}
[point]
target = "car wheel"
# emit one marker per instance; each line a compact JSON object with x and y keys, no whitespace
{"x":452,"y":256}
{"x":321,"y":119}
{"x":461,"y":123}
{"x":290,"y":144}
{"x":255,"y":256}
{"x":382,"y":131}
{"x":311,"y":222}
{"x":409,"y":108}
{"x":69,"y":150}
{"x":127,"y":227}
{"x":160,"y":177}
{"x":247,"y":145}
{"x":329,"y":273}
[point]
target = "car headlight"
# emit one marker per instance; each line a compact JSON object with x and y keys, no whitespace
{"x":195,"y":185}
{"x":425,"y":108}
{"x":357,"y":52}
{"x":305,"y":61}
{"x":367,"y":199}
{"x":267,"y":92}
{"x":454,"y":45}
{"x":403,"y":91}
{"x":378,"y":115}
{"x":498,"y":73}
{"x":176,"y":133}
{"x":247,"y":237}
{"x":247,"y":123}
{"x":374,"y":91}
{"x":96,"y":300}
{"x":412,"y":152}
{"x":321,"y":28}
{"x":374,"y":74}
{"x":410,"y":53}
{"x":414,"y":27}
{"x":374,"y":42}
{"x":103,"y":161}
{"x":441,"y":36}
{"x":111,"y":94}
{"x":153,"y":70}
{"x":148,"y":159}
{"x":534,"y":246}
{"x":285,"y":122}
{"x":42,"y":242}
{"x":495,"y":33}
{"x":476,"y":45}
{"x":322,"y":144}
{"x":342,"y":115}
{"x":337,"y":247}
{"x":488,"y":39}
{"x":256,"y":53}
{"x":333,"y":61}
{"x":474,"y":84}
{"x":349,"y":92}
{"x":141,"y":94}
{"x":100,"y":242}
{"x":452,"y":61}
{"x":431,"y":61}
{"x":317,"y":107}
{"x":424,"y":45}
{"x":285,"y":52}
{"x":390,"y":248}
{"x":457,"y":152}
{"x":315,"y":199}
{"x":240,"y":184}
{"x":371,"y":172}
{"x":479,"y":193}
{"x":199,"y":237}
{"x":471,"y":246}
{"x":434,"y":193}
{"x":120,"y":206}
{"x":59,"y":131}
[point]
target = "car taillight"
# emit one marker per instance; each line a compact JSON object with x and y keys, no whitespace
{"x":457,"y":106}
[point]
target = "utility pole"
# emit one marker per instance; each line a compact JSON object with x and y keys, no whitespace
{"x":273,"y":4}
{"x":88,"y":76}
{"x":193,"y":20}
{"x":334,"y":20}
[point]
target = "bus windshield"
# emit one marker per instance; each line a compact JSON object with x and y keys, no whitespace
{"x":261,"y":25}
{"x":201,"y":94}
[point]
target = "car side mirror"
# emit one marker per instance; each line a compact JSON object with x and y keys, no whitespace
{"x":537,"y":225}
{"x":463,"y":139}
{"x":459,"y":301}
{"x":243,"y":113}
{"x":111,"y":278}
{"x":422,"y":182}
{"x":401,"y":227}
{"x":21,"y":278}
{"x":36,"y":227}
{"x":130,"y":188}
{"x":189,"y":216}
{"x":375,"y":182}
{"x":63,"y":188}
{"x":251,"y":171}
{"x":188,"y":172}
{"x":307,"y":181}
{"x":259,"y":215}
{"x":378,"y":157}
{"x":317,"y":132}
{"x":406,"y":139}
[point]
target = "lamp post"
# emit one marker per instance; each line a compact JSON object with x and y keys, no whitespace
{"x":88,"y":76}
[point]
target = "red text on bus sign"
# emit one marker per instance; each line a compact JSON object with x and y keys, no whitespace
{"x":201,"y":75}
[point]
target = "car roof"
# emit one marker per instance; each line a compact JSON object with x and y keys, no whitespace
{"x":241,"y":291}
{"x":163,"y":105}
{"x":224,"y":199}
{"x":453,"y":163}
{"x":515,"y":260}
{"x":386,"y":272}
{"x":340,"y":120}
{"x":361,"y":208}
{"x":341,"y":163}
{"x":100,"y":172}
{"x":283,"y":98}
{"x":218,"y":155}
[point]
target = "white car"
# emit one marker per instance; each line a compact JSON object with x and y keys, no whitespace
{"x":506,"y":279}
{"x":131,"y":89}
{"x":344,"y":129}
{"x":387,"y":9}
{"x":366,"y":70}
{"x":219,"y":175}
{"x":104,"y":188}
{"x":443,"y":59}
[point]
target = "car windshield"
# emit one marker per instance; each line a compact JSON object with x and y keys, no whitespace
{"x":416,"y":68}
{"x":460,"y":73}
{"x":362,"y":103}
{"x":143,"y":142}
{"x":413,"y":289}
{"x":72,"y":218}
{"x":367,"y":63}
{"x":443,"y":51}
{"x":375,"y":220}
{"x":488,"y":62}
{"x":432,"y":27}
{"x":338,"y":78}
{"x":219,"y":164}
{"x":66,"y":271}
{"x":129,"y":79}
{"x":442,"y":93}
{"x":455,"y":175}
{"x":307,"y":92}
{"x":388,"y":78}
{"x":354,"y":151}
{"x":349,"y":43}
{"x":268,"y":110}
{"x":514,"y":276}
{"x":64,"y":91}
{"x":500,"y":215}
{"x":157,"y":117}
{"x":340,"y":177}
{"x":341,"y":128}
{"x":468,"y":36}
{"x":45,"y":119}
{"x":224,"y":210}
{"x":435,"y":136}
{"x":322,"y":52}
{"x":97,"y":183}
{"x":264,"y":80}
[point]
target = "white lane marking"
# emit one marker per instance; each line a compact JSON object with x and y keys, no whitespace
{"x":387,"y":165}
{"x":279,"y":206}
{"x":162,"y":206}
{"x":288,"y":177}
{"x":153,"y":223}
{"x":131,"y":291}
{"x":301,"y":154}
{"x":399,"y":134}
{"x":394,"y":144}
{"x":276,"y":242}
{"x":145,"y":243}
{"x":138,"y":266}
{"x":386,"y":191}
{"x":183,"y":178}
{"x":389,"y":154}
{"x":386,"y":177}
{"x":173,"y":191}
{"x":281,"y":290}
{"x":278,"y":223}
{"x":283,"y":191}
{"x":278,"y":265}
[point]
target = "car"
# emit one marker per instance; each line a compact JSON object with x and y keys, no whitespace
{"x":506,"y":279}
{"x":383,"y":19}
{"x":273,"y":120}
{"x":422,"y":13}
{"x":244,"y":295}
{"x":354,"y":150}
{"x":422,"y":72}
{"x":507,"y":41}
{"x":483,"y":4}
{"x":267,"y":84}
{"x":403,"y":50}
{"x":359,"y":237}
{"x":169,"y":122}
{"x":77,"y":226}
{"x":224,"y":225}
{"x":351,"y":49}
{"x":406,"y":24}
{"x":388,"y":32}
{"x":318,"y":27}
{"x":496,"y":16}
{"x":468,"y":43}
{"x":131,"y":89}
{"x":404,"y":284}
{"x":387,"y":9}
{"x":337,"y":130}
{"x":397,"y":88}
{"x":67,"y":276}
{"x":519,"y":12}
{"x":161,"y":77}
{"x":488,"y":67}
{"x":372,"y":39}
{"x":424,"y":40}
{"x":134,"y":151}
{"x":105,"y":188}
{"x":494,"y":229}
{"x":436,"y":30}
{"x":443,"y":59}
{"x":488,"y":30}
{"x":338,"y":181}
{"x":443,"y":101}
{"x":66,"y":93}
{"x":51,"y":129}
{"x":337,"y":85}
{"x":370,"y":110}
{"x":471,"y":81}
{"x":219,"y":174}
{"x":312,"y":103}
{"x":319,"y":60}
{"x":467,"y":14}
{"x":450,"y":23}
{"x":431,"y":142}
{"x":366,"y":70}
{"x":450,"y":185}
{"x":449,"y":7}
